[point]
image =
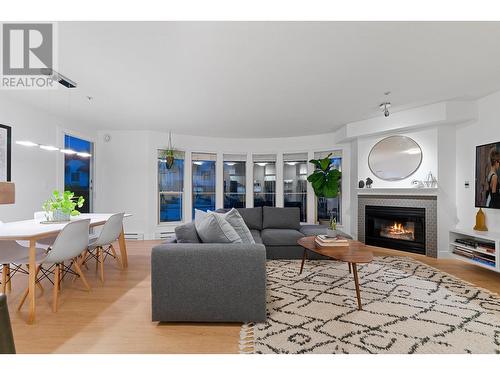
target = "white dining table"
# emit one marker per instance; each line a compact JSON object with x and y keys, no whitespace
{"x":33,"y":230}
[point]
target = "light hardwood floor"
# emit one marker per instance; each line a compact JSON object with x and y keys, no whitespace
{"x":116,"y":317}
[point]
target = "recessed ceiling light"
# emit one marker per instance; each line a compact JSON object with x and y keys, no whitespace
{"x":198,"y":162}
{"x":262,"y":164}
{"x":83,"y":154}
{"x":27,"y":143}
{"x":230,"y":163}
{"x":68,"y":151}
{"x":49,"y":148}
{"x":291,"y":162}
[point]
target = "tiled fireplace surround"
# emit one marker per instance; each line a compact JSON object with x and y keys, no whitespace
{"x":427,"y":202}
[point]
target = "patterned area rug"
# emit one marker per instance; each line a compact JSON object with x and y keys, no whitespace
{"x":408,"y":307}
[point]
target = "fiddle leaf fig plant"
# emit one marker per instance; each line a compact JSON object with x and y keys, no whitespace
{"x":325,"y":179}
{"x":65,"y":203}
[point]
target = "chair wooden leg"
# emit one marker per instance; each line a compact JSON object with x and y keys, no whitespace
{"x":80,"y":273}
{"x":101,"y":264}
{"x":55,"y":291}
{"x":84,"y":263}
{"x":350,"y":267}
{"x":118,"y":261}
{"x":26,"y":291}
{"x":97,"y":258}
{"x":5,"y":274}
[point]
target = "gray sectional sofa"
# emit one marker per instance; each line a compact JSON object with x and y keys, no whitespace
{"x":206,"y":282}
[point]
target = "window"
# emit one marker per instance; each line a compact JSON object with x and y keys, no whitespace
{"x":203,"y":181}
{"x":325,"y":206}
{"x":295,"y":182}
{"x":234,"y":181}
{"x":264,"y":183}
{"x":170,"y":187}
{"x":78,"y":170}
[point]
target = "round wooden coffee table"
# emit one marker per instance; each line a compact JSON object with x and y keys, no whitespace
{"x":354,"y":252}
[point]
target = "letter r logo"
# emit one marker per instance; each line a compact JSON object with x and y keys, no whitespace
{"x":27,"y":48}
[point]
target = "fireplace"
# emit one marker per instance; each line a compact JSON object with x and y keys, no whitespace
{"x":400,"y":228}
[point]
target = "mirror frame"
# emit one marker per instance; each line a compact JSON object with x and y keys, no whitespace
{"x":400,"y":178}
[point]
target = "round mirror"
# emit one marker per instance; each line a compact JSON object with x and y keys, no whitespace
{"x":395,"y":158}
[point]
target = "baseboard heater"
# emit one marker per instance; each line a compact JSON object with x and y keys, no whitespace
{"x":134,"y":236}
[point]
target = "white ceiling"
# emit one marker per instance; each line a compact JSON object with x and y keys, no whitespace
{"x":263,"y":79}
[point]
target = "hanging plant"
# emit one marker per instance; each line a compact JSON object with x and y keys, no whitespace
{"x":169,"y":153}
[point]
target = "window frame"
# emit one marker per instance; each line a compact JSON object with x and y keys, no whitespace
{"x":180,"y":155}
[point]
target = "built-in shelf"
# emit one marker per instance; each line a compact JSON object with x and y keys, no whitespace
{"x":471,"y":254}
{"x":398,"y":191}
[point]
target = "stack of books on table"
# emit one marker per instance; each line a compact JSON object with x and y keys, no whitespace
{"x":324,"y":241}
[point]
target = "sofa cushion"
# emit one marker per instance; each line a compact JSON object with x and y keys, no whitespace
{"x":234,"y":218}
{"x":213,"y":228}
{"x":252,"y":217}
{"x":280,"y":237}
{"x":186,"y":233}
{"x":315,"y":230}
{"x":256,"y":236}
{"x":281,"y":218}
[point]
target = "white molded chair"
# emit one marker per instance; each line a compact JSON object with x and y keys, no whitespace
{"x":69,"y":245}
{"x":12,"y":255}
{"x":12,"y":258}
{"x":102,"y":247}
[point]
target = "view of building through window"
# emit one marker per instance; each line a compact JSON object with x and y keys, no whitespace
{"x":295,"y":182}
{"x":203,"y":172}
{"x":78,"y":170}
{"x":234,"y":183}
{"x":264,"y":180}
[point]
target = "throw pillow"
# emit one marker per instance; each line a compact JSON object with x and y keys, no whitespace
{"x":213,"y":228}
{"x":186,"y":233}
{"x":234,"y":218}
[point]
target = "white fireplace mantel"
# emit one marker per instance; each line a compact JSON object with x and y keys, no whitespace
{"x":398,"y":191}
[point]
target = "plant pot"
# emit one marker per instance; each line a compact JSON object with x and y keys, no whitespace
{"x":58,"y":215}
{"x":332,"y":232}
{"x":170,"y":161}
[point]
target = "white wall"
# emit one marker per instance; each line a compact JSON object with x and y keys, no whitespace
{"x":485,"y":130}
{"x":126,"y":171}
{"x":427,"y":140}
{"x":35,"y":172}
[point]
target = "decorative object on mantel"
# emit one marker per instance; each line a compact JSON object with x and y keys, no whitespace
{"x":331,"y":231}
{"x":418,"y":184}
{"x":7,"y":193}
{"x":60,"y":207}
{"x":369,"y":182}
{"x":395,"y":158}
{"x":361,"y":184}
{"x":480,"y":221}
{"x":430,"y":181}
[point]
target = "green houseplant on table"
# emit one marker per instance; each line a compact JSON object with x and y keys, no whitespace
{"x":325,"y":181}
{"x":60,"y":207}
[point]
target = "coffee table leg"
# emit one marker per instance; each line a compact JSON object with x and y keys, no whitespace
{"x":356,"y":283}
{"x":303,"y":260}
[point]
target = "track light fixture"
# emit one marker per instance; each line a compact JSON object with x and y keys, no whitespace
{"x":384,"y":107}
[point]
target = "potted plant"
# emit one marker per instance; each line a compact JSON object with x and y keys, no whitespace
{"x":325,"y":179}
{"x":331,"y":231}
{"x":168,"y":154}
{"x":60,"y":207}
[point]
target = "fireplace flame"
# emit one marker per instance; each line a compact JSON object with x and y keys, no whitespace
{"x":398,"y":231}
